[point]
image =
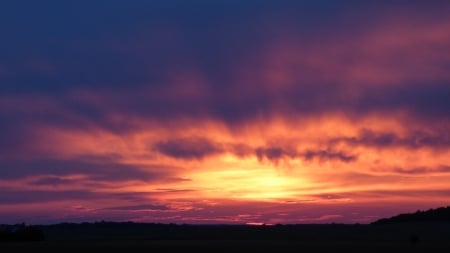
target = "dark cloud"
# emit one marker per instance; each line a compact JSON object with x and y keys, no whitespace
{"x":423,"y":100}
{"x":420,"y":170}
{"x":14,"y":138}
{"x":147,"y":207}
{"x":126,"y":57}
{"x":199,"y":148}
{"x":227,"y":104}
{"x":36,"y":196}
{"x":188,"y":148}
{"x":133,"y":197}
{"x":275,"y":154}
{"x":412,"y":171}
{"x":82,"y":55}
{"x":111,"y":171}
{"x":325,"y":155}
{"x":413,"y":140}
{"x":53,"y":181}
{"x":241,"y":150}
{"x":445,"y":169}
{"x":404,"y":193}
{"x":17,"y":196}
{"x":170,"y":190}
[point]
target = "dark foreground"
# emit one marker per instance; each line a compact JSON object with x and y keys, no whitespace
{"x":119,"y":237}
{"x":224,"y":246}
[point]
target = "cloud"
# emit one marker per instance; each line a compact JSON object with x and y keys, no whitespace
{"x":15,"y":137}
{"x":332,"y":196}
{"x":420,"y":170}
{"x":297,"y":71}
{"x":35,"y":196}
{"x":404,"y":194}
{"x":421,"y":99}
{"x":147,"y":207}
{"x":412,"y":140}
{"x":200,"y":148}
{"x":52,"y":180}
{"x":188,"y":148}
{"x":274,"y":153}
{"x":277,"y":153}
{"x":107,"y":171}
{"x":325,"y":155}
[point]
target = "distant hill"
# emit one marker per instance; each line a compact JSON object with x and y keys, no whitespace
{"x":441,"y":214}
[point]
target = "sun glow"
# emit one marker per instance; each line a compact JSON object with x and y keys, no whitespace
{"x":248,"y":179}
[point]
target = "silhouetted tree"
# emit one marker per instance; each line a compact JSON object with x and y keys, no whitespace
{"x":441,"y":214}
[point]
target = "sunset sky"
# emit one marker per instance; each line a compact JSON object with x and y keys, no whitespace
{"x":223,"y":111}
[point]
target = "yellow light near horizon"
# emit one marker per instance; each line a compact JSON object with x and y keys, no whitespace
{"x":247,"y":179}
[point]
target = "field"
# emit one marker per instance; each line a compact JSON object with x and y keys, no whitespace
{"x":420,"y":237}
{"x":225,"y":246}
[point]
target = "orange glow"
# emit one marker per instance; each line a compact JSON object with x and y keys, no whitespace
{"x":289,"y":177}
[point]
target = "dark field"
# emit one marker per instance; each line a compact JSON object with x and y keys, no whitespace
{"x":421,"y":237}
{"x":225,"y":246}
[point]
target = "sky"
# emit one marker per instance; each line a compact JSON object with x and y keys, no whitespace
{"x":228,"y":112}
